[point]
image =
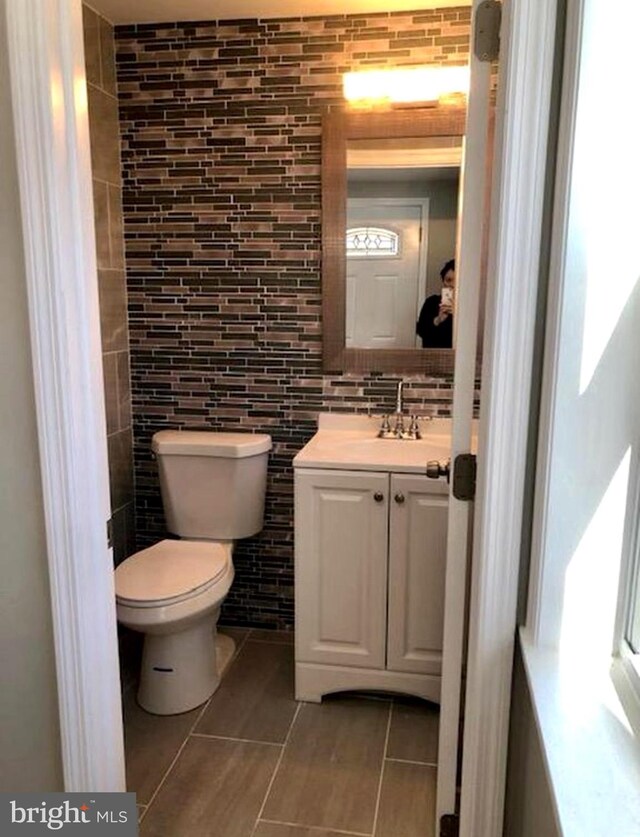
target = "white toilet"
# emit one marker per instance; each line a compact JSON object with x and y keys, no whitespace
{"x":213,"y":489}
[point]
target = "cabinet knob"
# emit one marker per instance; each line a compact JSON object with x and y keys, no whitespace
{"x":378,"y":496}
{"x":399,"y":498}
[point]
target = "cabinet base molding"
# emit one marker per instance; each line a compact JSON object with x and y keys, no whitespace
{"x":314,"y":680}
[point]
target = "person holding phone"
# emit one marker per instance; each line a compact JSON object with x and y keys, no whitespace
{"x":435,"y":323}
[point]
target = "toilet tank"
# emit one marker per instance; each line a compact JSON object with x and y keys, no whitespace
{"x":213,"y":484}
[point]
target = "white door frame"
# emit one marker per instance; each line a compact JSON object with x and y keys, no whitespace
{"x":46,"y":61}
{"x":520,"y":163}
{"x":469,"y":252}
{"x":46,"y":54}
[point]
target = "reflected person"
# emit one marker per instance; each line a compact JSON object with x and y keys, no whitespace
{"x":435,"y":323}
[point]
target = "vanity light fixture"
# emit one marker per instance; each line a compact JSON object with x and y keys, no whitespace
{"x":406,"y":85}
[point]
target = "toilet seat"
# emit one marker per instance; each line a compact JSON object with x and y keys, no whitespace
{"x":171,"y":571}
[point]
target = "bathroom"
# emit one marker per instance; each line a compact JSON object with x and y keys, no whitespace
{"x":206,"y":141}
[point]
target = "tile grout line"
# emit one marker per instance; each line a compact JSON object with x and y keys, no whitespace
{"x":205,"y":706}
{"x":412,"y":761}
{"x":249,"y":636}
{"x":239,"y":647}
{"x":384,"y":761}
{"x":100,"y":88}
{"x":263,"y":641}
{"x":175,"y":759}
{"x":315,"y":828}
{"x":107,"y":182}
{"x":237,"y":740}
{"x":276,"y":768}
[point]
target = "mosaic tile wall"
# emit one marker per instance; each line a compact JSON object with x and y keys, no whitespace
{"x":220,"y":126}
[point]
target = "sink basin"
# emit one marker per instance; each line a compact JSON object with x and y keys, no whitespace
{"x":362,"y":446}
{"x":351,"y":442}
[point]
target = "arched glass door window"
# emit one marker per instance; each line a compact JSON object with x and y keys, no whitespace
{"x":372,"y":241}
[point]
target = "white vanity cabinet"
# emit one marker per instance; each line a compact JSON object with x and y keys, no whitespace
{"x":370,"y":551}
{"x":417,"y":559}
{"x":341,"y":538}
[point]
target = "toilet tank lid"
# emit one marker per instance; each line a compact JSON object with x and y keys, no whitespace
{"x":210,"y":443}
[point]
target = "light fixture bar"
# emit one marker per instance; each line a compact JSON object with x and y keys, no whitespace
{"x":407,"y":84}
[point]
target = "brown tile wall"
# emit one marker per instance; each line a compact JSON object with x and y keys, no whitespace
{"x":220,"y":126}
{"x":107,"y":198}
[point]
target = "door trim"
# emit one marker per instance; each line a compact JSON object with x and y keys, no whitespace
{"x":46,"y":61}
{"x":526,"y":74}
{"x":469,"y":270}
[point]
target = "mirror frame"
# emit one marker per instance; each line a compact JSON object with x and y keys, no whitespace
{"x":338,"y":127}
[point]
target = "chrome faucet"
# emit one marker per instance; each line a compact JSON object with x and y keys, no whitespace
{"x":399,"y":398}
{"x":399,"y":431}
{"x":399,"y":426}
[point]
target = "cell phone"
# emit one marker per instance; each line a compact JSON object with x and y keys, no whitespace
{"x":447,"y":296}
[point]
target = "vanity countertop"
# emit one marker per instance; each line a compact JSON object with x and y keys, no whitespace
{"x":350,"y":442}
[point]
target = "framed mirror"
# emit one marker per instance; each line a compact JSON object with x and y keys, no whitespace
{"x":390,"y":183}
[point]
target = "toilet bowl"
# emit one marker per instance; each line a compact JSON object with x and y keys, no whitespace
{"x":213,"y":486}
{"x":172,"y":593}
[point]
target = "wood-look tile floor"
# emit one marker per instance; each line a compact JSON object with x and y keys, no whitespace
{"x":252,"y":762}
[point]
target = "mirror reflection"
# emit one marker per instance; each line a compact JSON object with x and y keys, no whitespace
{"x":402,"y":204}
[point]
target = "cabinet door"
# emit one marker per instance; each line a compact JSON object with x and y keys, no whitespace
{"x":341,"y":526}
{"x":417,"y":562}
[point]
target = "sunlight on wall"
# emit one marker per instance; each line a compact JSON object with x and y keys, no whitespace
{"x":591,"y":584}
{"x":608,"y":193}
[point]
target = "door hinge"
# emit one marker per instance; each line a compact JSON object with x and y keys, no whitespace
{"x":486,"y":41}
{"x":464,"y":476}
{"x":110,"y":533}
{"x":449,"y":825}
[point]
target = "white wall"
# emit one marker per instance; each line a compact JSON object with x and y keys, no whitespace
{"x":591,"y":434}
{"x":529,"y":808}
{"x":29,"y":733}
{"x":566,"y":742}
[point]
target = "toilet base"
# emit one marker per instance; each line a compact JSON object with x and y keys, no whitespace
{"x":181,"y":671}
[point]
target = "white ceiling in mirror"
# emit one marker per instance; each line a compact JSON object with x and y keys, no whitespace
{"x":410,"y":174}
{"x":436,"y":152}
{"x":164,"y":11}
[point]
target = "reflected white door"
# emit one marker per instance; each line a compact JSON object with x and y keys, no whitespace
{"x":385,"y":290}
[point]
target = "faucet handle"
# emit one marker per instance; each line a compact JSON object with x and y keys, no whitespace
{"x":414,"y":428}
{"x":385,"y":428}
{"x":399,"y":428}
